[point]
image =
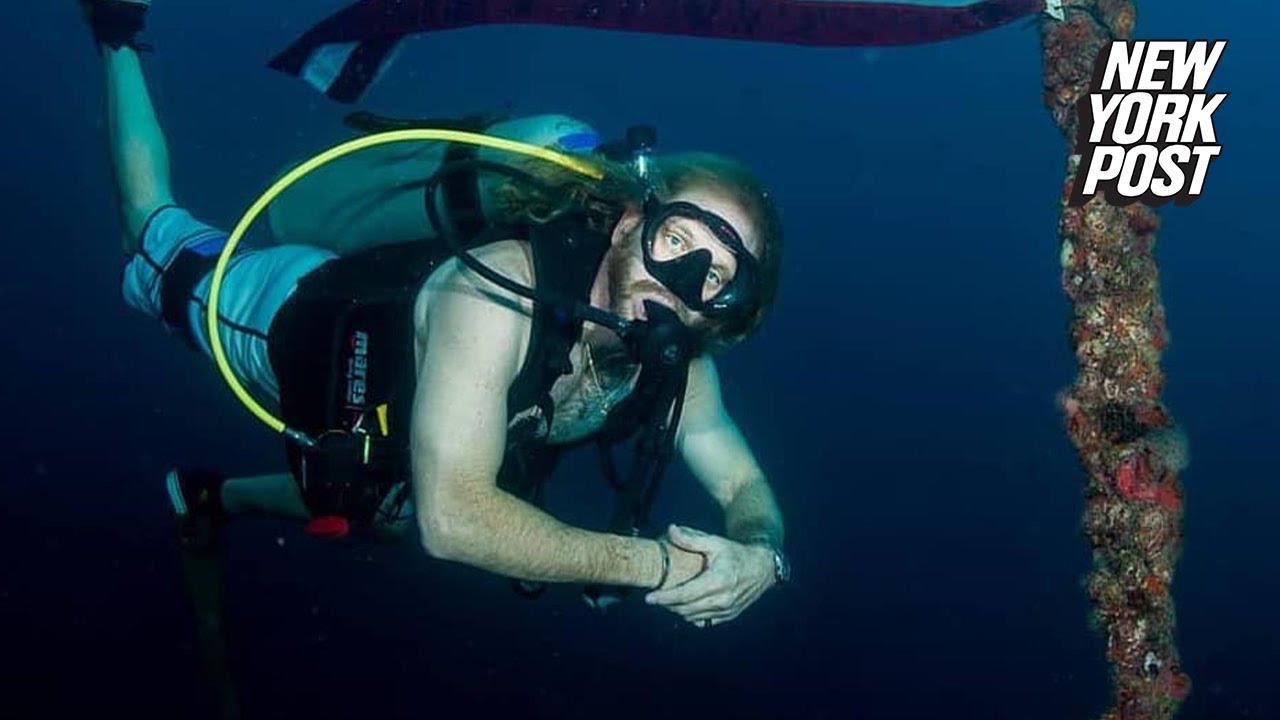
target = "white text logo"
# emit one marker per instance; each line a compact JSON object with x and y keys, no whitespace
{"x":1146,"y":126}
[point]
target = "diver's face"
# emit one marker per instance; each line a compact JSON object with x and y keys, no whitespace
{"x":630,"y":283}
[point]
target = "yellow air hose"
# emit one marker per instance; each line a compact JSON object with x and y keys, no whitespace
{"x":570,"y":162}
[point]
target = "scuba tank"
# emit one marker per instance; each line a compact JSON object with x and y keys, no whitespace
{"x":375,"y":197}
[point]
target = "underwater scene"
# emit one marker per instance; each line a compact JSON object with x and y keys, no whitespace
{"x":637,"y":358}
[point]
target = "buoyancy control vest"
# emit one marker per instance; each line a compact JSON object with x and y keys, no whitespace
{"x":343,"y":348}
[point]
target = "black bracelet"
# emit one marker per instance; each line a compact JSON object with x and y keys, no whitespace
{"x":666,"y":563}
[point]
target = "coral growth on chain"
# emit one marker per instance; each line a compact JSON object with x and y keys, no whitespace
{"x":1131,"y":450}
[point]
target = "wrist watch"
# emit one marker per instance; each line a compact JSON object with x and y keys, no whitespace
{"x":781,"y":566}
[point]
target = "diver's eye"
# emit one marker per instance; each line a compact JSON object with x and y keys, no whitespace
{"x":713,"y":278}
{"x":674,"y":241}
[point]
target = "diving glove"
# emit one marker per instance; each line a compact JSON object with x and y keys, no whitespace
{"x":116,"y":23}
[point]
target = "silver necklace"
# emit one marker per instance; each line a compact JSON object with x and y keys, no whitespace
{"x":600,"y":399}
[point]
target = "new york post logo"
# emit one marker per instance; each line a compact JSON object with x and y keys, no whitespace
{"x":1146,"y":126}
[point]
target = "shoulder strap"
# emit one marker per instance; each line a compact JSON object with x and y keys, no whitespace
{"x":566,"y":259}
{"x":658,"y":417}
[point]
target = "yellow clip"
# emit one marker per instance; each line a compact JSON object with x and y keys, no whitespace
{"x":382,"y":419}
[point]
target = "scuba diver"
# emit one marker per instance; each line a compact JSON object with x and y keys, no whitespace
{"x":432,"y":383}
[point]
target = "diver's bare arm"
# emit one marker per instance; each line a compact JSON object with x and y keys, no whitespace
{"x":470,"y":349}
{"x":717,"y":454}
{"x":138,"y":150}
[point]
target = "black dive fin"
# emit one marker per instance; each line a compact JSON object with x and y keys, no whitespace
{"x":116,"y":23}
{"x":205,"y":580}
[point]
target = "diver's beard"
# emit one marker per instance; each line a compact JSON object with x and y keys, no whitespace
{"x":629,"y":285}
{"x":628,"y":280}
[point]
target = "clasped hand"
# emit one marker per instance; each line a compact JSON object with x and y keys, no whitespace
{"x":734,"y":577}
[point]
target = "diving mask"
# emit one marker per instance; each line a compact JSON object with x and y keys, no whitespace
{"x":671,"y":228}
{"x":702,"y":285}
